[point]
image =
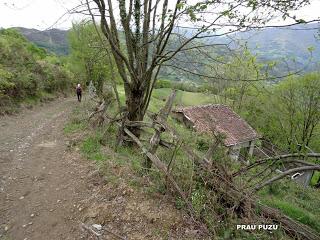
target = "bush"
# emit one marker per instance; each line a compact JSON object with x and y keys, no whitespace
{"x":161,"y":83}
{"x":202,"y":144}
{"x":5,"y":84}
{"x":27,"y":71}
{"x":186,"y":86}
{"x":208,"y":88}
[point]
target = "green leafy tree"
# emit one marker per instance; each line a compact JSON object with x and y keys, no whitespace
{"x":296,"y":104}
{"x":88,"y":59}
{"x":287,"y":113}
{"x":239,"y":74}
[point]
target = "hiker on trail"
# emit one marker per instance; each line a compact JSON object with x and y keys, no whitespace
{"x":79,"y":92}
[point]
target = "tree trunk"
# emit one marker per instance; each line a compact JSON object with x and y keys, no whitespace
{"x":135,"y":105}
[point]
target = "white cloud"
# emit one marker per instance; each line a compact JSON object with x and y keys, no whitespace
{"x":42,"y":14}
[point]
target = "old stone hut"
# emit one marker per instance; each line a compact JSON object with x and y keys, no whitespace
{"x":240,"y":137}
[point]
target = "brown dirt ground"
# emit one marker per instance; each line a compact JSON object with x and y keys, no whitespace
{"x":47,"y":190}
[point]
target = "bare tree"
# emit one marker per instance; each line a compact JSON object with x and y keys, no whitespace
{"x":139,"y":32}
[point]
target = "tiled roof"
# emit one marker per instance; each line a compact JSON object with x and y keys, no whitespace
{"x":222,"y":119}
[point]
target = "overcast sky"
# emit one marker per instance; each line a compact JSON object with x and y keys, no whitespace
{"x":43,"y":14}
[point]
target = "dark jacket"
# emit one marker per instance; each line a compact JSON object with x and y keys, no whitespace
{"x":79,"y":90}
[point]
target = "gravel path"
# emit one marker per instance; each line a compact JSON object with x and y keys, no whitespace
{"x":40,"y":182}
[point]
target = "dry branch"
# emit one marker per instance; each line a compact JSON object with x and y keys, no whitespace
{"x":162,"y":116}
{"x":139,"y":124}
{"x":278,"y":158}
{"x":166,"y":144}
{"x":99,"y":109}
{"x":288,"y":172}
{"x":161,"y":166}
{"x":90,"y":230}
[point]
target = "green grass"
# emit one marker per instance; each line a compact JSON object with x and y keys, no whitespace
{"x":315,"y":177}
{"x":92,"y":149}
{"x":295,"y":212}
{"x":31,"y":100}
{"x":297,"y":202}
{"x":185,"y":98}
{"x":73,"y":127}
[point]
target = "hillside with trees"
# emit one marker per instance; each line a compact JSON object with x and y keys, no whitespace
{"x":28,"y":72}
{"x":54,"y":40}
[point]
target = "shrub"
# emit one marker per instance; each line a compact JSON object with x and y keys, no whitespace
{"x":161,"y":83}
{"x":27,"y":71}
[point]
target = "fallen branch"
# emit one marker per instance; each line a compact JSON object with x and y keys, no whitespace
{"x":98,"y":235}
{"x":161,"y":166}
{"x":277,"y":158}
{"x":99,"y":109}
{"x":272,"y":167}
{"x":120,"y":135}
{"x":166,"y":144}
{"x":288,"y":172}
{"x":159,"y":128}
{"x":139,"y":124}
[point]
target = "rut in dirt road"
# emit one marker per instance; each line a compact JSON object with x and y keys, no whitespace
{"x":40,"y":185}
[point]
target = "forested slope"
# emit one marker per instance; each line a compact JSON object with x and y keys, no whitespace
{"x":54,"y":40}
{"x":27,"y":71}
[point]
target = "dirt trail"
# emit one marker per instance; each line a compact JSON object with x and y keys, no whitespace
{"x":40,"y":184}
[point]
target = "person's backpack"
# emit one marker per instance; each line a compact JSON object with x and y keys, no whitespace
{"x":79,"y":90}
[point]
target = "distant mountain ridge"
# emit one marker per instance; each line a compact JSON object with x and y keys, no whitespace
{"x":269,"y":44}
{"x":54,"y":40}
{"x":299,"y":42}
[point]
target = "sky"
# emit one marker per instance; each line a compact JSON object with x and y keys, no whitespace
{"x":45,"y":14}
{"x":39,"y":14}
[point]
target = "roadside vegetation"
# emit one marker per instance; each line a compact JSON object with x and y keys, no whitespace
{"x":28,"y":74}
